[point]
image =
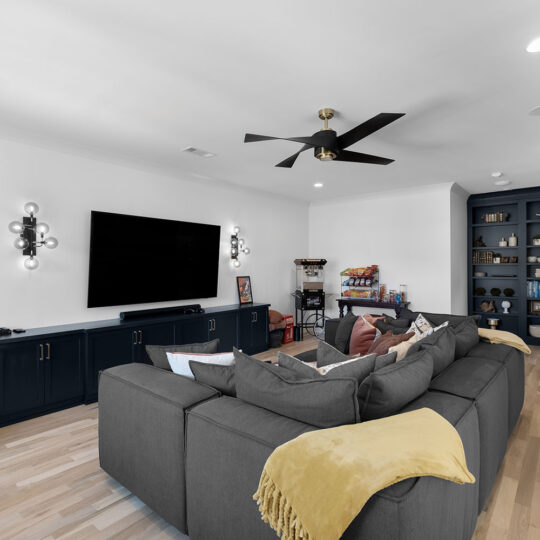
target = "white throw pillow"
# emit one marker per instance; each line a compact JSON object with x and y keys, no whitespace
{"x":179,"y":362}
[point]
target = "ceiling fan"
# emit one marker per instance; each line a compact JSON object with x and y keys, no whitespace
{"x":329,"y":146}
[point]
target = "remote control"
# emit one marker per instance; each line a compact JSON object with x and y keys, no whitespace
{"x":19,"y":330}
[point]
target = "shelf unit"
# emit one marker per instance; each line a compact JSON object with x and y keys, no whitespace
{"x":522,"y":209}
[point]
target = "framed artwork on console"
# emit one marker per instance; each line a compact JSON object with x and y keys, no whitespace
{"x":245,"y":294}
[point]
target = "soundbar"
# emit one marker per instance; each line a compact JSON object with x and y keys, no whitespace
{"x":180,"y":310}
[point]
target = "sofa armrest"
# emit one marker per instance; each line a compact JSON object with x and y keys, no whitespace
{"x":330,"y":329}
{"x":141,"y":433}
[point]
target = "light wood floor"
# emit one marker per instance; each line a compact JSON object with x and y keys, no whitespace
{"x":51,"y":485}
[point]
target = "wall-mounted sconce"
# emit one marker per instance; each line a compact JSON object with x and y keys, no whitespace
{"x":31,"y":235}
{"x":238,"y":245}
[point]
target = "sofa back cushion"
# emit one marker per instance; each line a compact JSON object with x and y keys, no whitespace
{"x":466,"y":337}
{"x":158,"y":353}
{"x":326,"y":354}
{"x":323,"y":402}
{"x":343,"y":332}
{"x":362,"y":336}
{"x":388,"y":390}
{"x":436,"y":319}
{"x":442,"y":347}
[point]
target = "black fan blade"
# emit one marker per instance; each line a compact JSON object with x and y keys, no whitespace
{"x":367,"y":128}
{"x":358,"y":157}
{"x":250,"y":137}
{"x":289,"y":162}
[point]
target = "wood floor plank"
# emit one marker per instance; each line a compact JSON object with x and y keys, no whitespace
{"x":52,"y":488}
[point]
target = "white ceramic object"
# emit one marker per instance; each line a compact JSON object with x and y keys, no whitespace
{"x":536,"y":241}
{"x":534,"y":330}
{"x":506,"y":305}
{"x":531,"y":259}
{"x":512,"y":241}
{"x":479,"y":274}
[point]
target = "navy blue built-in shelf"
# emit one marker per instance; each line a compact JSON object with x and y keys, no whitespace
{"x":521,"y":209}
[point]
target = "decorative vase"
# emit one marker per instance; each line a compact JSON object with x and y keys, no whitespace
{"x":503,"y":242}
{"x":512,"y":241}
{"x":536,"y":241}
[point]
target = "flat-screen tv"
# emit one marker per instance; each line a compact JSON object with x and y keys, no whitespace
{"x":136,"y":260}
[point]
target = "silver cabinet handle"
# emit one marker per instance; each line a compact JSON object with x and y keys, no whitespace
{"x":48,"y":351}
{"x":135,"y":337}
{"x":210,"y":325}
{"x":256,"y":316}
{"x":41,"y":355}
{"x":140,"y":337}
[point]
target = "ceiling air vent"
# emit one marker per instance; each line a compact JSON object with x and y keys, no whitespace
{"x":198,"y":152}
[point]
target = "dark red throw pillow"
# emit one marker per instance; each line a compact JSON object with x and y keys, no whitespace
{"x":381,"y":345}
{"x":362,"y":337}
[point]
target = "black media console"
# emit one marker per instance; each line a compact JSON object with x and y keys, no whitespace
{"x":48,"y":369}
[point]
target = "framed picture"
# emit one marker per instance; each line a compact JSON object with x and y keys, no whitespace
{"x":513,"y":260}
{"x":245,"y":294}
{"x":505,"y":260}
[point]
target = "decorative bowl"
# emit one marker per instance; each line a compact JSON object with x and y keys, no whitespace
{"x":534,"y":330}
{"x":480,"y":274}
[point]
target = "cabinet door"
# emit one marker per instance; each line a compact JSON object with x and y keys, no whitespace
{"x":152,"y":334}
{"x":245,"y":330}
{"x":192,"y":331}
{"x":260,"y":330}
{"x":105,"y":350}
{"x":22,"y":377}
{"x":63,"y":369}
{"x":224,"y":328}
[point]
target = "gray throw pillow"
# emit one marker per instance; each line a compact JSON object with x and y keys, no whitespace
{"x":466,"y":337}
{"x":321,"y":402}
{"x":158,"y":353}
{"x":384,"y":360}
{"x":359,"y":369}
{"x":215,"y":375}
{"x":326,"y":355}
{"x":442,"y":346}
{"x":385,"y":326}
{"x":343,"y":332}
{"x":389,"y":389}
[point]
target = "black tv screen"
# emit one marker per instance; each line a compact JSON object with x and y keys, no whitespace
{"x":136,"y":260}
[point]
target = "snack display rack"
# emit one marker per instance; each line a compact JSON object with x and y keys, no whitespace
{"x":361,"y":282}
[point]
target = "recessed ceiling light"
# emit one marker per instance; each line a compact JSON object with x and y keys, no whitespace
{"x":198,"y":152}
{"x":534,"y":45}
{"x":502,"y":182}
{"x":318,"y":185}
{"x":535,"y":111}
{"x":496,"y":174}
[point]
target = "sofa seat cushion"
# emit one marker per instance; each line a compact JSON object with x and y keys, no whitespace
{"x":467,"y":377}
{"x":250,"y":421}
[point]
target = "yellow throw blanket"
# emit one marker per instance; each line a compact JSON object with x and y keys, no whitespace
{"x":312,"y":487}
{"x":505,"y":338}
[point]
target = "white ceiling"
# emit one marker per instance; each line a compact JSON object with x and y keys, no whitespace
{"x":136,"y":81}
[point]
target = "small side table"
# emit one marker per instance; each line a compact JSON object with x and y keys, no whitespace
{"x":350,"y":302}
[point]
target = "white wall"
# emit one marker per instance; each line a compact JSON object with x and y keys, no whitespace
{"x":458,"y":249}
{"x":407,"y":233}
{"x":67,"y":187}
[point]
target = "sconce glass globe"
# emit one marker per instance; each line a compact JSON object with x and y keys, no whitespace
{"x":31,"y":208}
{"x":241,"y":242}
{"x":234,"y":251}
{"x":50,"y":242}
{"x":42,"y":228}
{"x":234,"y":241}
{"x":236,"y":230}
{"x":16,"y":227}
{"x":247,"y":251}
{"x":21,"y":243}
{"x":236,"y":263}
{"x":31,"y":263}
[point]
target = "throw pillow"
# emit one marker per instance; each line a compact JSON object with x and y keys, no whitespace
{"x":402,"y":348}
{"x":326,"y":355}
{"x":274,"y":317}
{"x":389,"y":389}
{"x":373,"y":319}
{"x":466,"y":337}
{"x":384,"y":360}
{"x":179,"y":362}
{"x":421,"y":326}
{"x":396,"y":326}
{"x":441,"y":345}
{"x":362,"y":336}
{"x":158,"y":353}
{"x":323,"y":402}
{"x":383,"y":344}
{"x":343,"y":332}
{"x":217,"y":376}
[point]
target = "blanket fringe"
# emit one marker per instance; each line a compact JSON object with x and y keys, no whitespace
{"x":277,"y":511}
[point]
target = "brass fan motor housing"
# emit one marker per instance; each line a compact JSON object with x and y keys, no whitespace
{"x":324,"y":154}
{"x":326,"y":114}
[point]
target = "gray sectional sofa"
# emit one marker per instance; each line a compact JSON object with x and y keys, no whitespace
{"x":195,"y":456}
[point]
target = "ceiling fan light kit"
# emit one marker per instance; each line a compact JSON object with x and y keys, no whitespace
{"x":328,"y":146}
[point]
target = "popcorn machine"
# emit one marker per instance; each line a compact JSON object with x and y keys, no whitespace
{"x":309,"y":294}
